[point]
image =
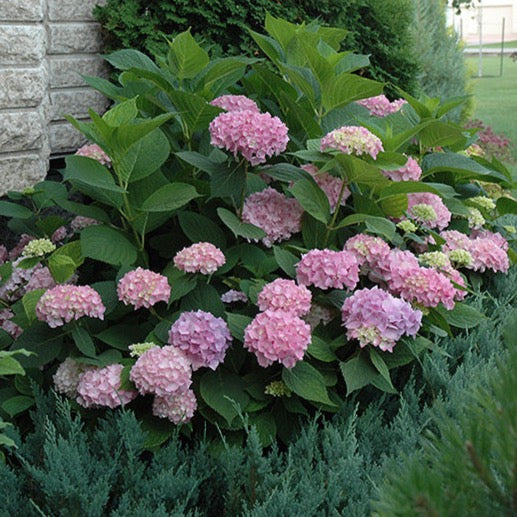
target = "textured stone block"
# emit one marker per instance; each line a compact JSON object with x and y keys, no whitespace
{"x":64,"y":138}
{"x":72,"y":10}
{"x":66,"y":71}
{"x":21,"y":171}
{"x":21,"y":10}
{"x":76,"y":102}
{"x":69,"y":38}
{"x":22,"y":44}
{"x":22,"y":87}
{"x":21,"y":131}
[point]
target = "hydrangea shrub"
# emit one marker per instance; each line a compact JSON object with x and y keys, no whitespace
{"x":245,"y":241}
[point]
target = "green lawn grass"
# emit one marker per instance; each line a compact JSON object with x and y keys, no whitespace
{"x":496,"y":97}
{"x":507,"y":44}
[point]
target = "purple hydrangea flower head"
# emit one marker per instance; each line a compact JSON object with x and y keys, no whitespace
{"x":203,"y":338}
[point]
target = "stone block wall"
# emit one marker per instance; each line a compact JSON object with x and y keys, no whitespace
{"x":45,"y":46}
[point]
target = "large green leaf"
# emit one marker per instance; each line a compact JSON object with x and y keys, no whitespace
{"x":439,"y":133}
{"x":8,"y":209}
{"x":462,"y":316}
{"x":312,"y":199}
{"x":83,"y":341}
{"x":29,"y":301}
{"x":122,"y":113}
{"x":107,"y":245}
{"x":203,"y":163}
{"x":199,"y":228}
{"x":204,"y":297}
{"x":170,"y":197}
{"x":224,"y":392}
{"x":237,"y":323}
{"x":195,"y":111}
{"x":186,"y":57}
{"x":17,"y":404}
{"x":307,"y":382}
{"x":286,"y":260}
{"x":285,"y":172}
{"x":128,"y":58}
{"x":238,"y":228}
{"x":358,"y":372}
{"x":222,"y":73}
{"x":345,"y":88}
{"x":84,"y":210}
{"x":44,"y":342}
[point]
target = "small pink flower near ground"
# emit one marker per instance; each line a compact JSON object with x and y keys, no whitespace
{"x":201,"y":257}
{"x":179,"y":409}
{"x":65,"y":303}
{"x":101,"y":387}
{"x":277,"y":336}
{"x":95,"y":152}
{"x":203,"y":338}
{"x":162,"y":371}
{"x":143,"y":288}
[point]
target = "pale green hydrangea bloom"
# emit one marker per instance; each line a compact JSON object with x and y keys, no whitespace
{"x":138,"y":349}
{"x":434,"y":259}
{"x":407,"y":226}
{"x":424,"y":212}
{"x":277,"y":389}
{"x":38,"y":248}
{"x":475,"y":218}
{"x":483,"y":202}
{"x":460,"y":257}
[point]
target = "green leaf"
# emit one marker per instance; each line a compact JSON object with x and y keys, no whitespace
{"x":157,"y":431}
{"x":237,"y":324}
{"x":199,"y":228}
{"x":222,"y":73}
{"x":268,"y":45}
{"x":462,"y":316}
{"x":381,"y":226}
{"x":228,"y":183}
{"x":186,"y":57}
{"x":345,"y":88}
{"x":170,"y":197}
{"x":438,"y":133}
{"x":321,"y":350}
{"x":10,"y":366}
{"x":45,"y":343}
{"x":107,"y":245}
{"x":122,"y":113}
{"x":355,"y":170}
{"x":144,"y":157}
{"x":395,"y":206}
{"x":224,"y":392}
{"x":203,"y":163}
{"x":307,"y":382}
{"x":181,"y":283}
{"x":128,"y":58}
{"x":405,"y":187}
{"x":381,"y":366}
{"x":238,"y":228}
{"x":286,"y":260}
{"x":61,"y":267}
{"x":85,"y":210}
{"x":265,"y":425}
{"x":195,"y":111}
{"x":358,"y":372}
{"x":285,"y":172}
{"x":505,"y":205}
{"x":204,"y":297}
{"x":312,"y":199}
{"x":8,"y":209}
{"x":83,"y":342}
{"x":16,"y":405}
{"x":29,"y":301}
{"x":87,"y":171}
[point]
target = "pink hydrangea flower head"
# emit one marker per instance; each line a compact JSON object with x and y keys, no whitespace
{"x":15,"y":286}
{"x":17,"y":250}
{"x":65,"y":303}
{"x":4,"y":254}
{"x":367,"y":249}
{"x":101,"y":387}
{"x":380,"y":105}
{"x":233,"y":296}
{"x":373,"y":316}
{"x":202,"y":257}
{"x":454,"y":240}
{"x":393,"y":265}
{"x":79,"y":222}
{"x":487,"y":253}
{"x":443,"y":216}
{"x":94,"y":152}
{"x":203,"y":338}
{"x":329,"y":184}
{"x":328,"y":269}
{"x":352,"y":140}
{"x":495,"y":236}
{"x":285,"y":295}
{"x":59,"y":235}
{"x":235,"y":103}
{"x":40,"y":279}
{"x":67,"y":376}
{"x":256,"y":136}
{"x":143,"y":288}
{"x":278,"y":215}
{"x":179,"y":409}
{"x":411,"y":171}
{"x":162,"y":371}
{"x":426,"y":287}
{"x":277,"y":336}
{"x":318,"y":314}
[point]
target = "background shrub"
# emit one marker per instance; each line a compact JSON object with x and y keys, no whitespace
{"x":380,"y":29}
